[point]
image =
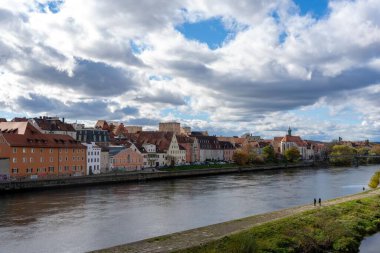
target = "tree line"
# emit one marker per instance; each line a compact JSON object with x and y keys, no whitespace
{"x":250,"y":155}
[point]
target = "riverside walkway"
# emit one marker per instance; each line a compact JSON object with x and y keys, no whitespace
{"x":195,"y":237}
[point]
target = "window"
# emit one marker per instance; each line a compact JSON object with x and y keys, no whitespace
{"x":32,"y":150}
{"x":66,"y":159}
{"x":51,"y":150}
{"x":60,"y":159}
{"x":73,"y":158}
{"x":67,"y":168}
{"x":60,"y":168}
{"x":60,"y":150}
{"x":38,"y":169}
{"x":51,"y":159}
{"x":31,"y":159}
{"x":51,"y":169}
{"x":15,"y":171}
{"x":66,"y":150}
{"x":14,"y":160}
{"x":24,"y":159}
{"x":24,"y":150}
{"x":14,"y":150}
{"x":29,"y":170}
{"x":73,"y":168}
{"x":41,"y":159}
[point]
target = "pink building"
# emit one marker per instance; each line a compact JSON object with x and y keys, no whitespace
{"x":228,"y":150}
{"x":126,"y":157}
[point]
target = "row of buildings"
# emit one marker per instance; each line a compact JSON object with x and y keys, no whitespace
{"x":47,"y":146}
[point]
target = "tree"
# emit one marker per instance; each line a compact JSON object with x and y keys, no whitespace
{"x":363,"y":151}
{"x":269,"y":154}
{"x":241,"y":157}
{"x":375,"y":150}
{"x":292,"y":154}
{"x":342,"y":155}
{"x":374,"y":181}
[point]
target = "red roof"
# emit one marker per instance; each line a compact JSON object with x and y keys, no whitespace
{"x":296,"y":139}
{"x":23,"y":134}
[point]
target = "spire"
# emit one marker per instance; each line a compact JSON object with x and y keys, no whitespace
{"x":290,"y":131}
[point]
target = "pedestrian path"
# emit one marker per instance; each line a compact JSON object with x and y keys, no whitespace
{"x":202,"y":235}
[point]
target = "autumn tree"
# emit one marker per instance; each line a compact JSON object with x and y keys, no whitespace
{"x":292,"y":154}
{"x":374,"y":181}
{"x":342,"y":155}
{"x":241,"y":157}
{"x":364,"y":151}
{"x":375,"y":150}
{"x":269,"y":154}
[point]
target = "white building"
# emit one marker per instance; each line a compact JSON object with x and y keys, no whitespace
{"x":152,"y":158}
{"x":166,"y":145}
{"x":294,"y":141}
{"x":209,"y":148}
{"x":93,"y":158}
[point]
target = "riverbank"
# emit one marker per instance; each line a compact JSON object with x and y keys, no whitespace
{"x":339,"y":224}
{"x":14,"y":186}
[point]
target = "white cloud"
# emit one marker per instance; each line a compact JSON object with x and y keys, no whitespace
{"x":281,"y":61}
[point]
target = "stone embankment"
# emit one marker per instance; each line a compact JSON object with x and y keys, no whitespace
{"x":204,"y":235}
{"x":12,"y":186}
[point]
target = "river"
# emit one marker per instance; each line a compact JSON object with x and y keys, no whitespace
{"x":89,"y":218}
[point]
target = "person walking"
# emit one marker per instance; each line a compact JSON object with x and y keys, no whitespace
{"x":315,"y":201}
{"x":319,"y":201}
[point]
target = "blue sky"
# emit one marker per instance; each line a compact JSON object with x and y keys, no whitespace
{"x":228,"y":67}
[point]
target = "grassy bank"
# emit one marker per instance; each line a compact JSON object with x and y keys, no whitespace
{"x":338,"y":228}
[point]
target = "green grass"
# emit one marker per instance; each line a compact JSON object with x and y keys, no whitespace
{"x":338,"y":228}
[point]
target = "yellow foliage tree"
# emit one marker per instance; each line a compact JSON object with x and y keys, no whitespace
{"x":241,"y":157}
{"x":375,"y":180}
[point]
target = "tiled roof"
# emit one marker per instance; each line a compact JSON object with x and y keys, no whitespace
{"x":26,"y":135}
{"x":162,"y":140}
{"x":208,"y":142}
{"x":184,"y":139}
{"x":16,"y":127}
{"x":226,"y":145}
{"x":42,"y":140}
{"x":53,"y":125}
{"x":295,"y":139}
{"x":102,"y":124}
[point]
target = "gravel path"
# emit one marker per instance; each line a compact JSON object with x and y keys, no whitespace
{"x":194,"y":237}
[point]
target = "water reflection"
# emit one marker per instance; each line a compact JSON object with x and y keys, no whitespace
{"x":82,"y":219}
{"x":370,"y":244}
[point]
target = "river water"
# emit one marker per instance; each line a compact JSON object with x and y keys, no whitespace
{"x":370,"y":244}
{"x":89,"y":218}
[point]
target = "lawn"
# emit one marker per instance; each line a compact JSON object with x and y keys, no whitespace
{"x":338,"y":228}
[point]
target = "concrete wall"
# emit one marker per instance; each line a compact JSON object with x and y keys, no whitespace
{"x":126,"y":177}
{"x":4,"y":167}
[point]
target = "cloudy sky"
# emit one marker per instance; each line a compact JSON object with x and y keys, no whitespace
{"x":228,"y":66}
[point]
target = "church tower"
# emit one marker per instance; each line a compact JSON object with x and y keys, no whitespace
{"x":290,"y":131}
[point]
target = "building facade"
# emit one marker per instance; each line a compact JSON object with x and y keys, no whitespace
{"x":31,"y":154}
{"x":93,"y":158}
{"x":88,"y":135}
{"x":174,"y":127}
{"x":53,"y":125}
{"x":209,"y":149}
{"x":127,"y":158}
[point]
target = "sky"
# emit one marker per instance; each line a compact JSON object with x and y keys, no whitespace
{"x":229,"y":67}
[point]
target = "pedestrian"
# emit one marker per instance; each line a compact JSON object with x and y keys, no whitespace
{"x":315,"y":201}
{"x":319,"y":201}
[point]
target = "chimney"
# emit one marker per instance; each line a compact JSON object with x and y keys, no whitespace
{"x":63,"y":120}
